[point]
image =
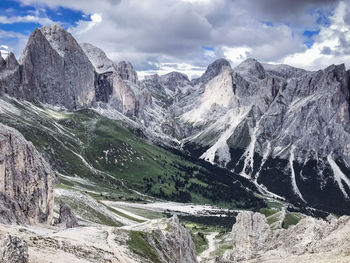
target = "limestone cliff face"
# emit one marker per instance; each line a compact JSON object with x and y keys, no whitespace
{"x":175,"y":243}
{"x":10,"y":75}
{"x":249,"y":235}
{"x":53,"y":69}
{"x":311,"y":240}
{"x":117,"y":84}
{"x":56,"y":70}
{"x":169,"y":240}
{"x":26,"y":181}
{"x":124,"y":96}
{"x":126,"y":71}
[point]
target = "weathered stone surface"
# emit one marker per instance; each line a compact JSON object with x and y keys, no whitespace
{"x":13,"y":250}
{"x":56,"y":70}
{"x":167,"y":240}
{"x":124,"y":96}
{"x":170,"y":239}
{"x":212,"y":71}
{"x":311,"y":240}
{"x":27,"y":181}
{"x":126,"y":71}
{"x":98,"y":58}
{"x":66,"y":216}
{"x":250,"y":234}
{"x":176,"y":243}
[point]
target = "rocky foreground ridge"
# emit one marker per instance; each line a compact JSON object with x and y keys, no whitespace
{"x":157,"y":241}
{"x":27,"y":201}
{"x":311,"y":240}
{"x":27,"y":181}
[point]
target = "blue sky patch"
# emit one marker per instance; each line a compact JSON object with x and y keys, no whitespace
{"x":309,"y":37}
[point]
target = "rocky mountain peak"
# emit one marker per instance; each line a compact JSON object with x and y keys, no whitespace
{"x":283,"y":71}
{"x":213,"y":70}
{"x":174,"y":80}
{"x":127,"y":72}
{"x":11,"y":61}
{"x":2,"y":62}
{"x":56,"y":69}
{"x":98,"y":58}
{"x":61,"y":40}
{"x":251,"y":68}
{"x":249,"y":235}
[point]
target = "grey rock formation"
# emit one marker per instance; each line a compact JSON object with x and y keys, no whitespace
{"x":176,"y":244}
{"x":27,"y":181}
{"x":10,"y":76}
{"x":2,"y":62}
{"x":250,"y":234}
{"x":174,"y":80}
{"x":56,"y":70}
{"x":212,"y":71}
{"x":126,"y":72}
{"x":98,"y":58}
{"x":308,"y":241}
{"x":66,"y":216}
{"x":103,"y":64}
{"x":13,"y":250}
{"x":251,"y":69}
{"x":124,"y":96}
{"x":160,"y":240}
{"x":117,"y":84}
{"x":53,"y":69}
{"x":283,"y":71}
{"x":171,"y":241}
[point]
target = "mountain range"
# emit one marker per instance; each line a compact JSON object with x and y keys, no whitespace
{"x":283,"y":131}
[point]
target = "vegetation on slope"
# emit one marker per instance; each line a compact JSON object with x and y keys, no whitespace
{"x":105,"y":156}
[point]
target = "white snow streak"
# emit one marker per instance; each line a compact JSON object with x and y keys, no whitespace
{"x":265,"y":156}
{"x":339,"y":177}
{"x":249,"y":153}
{"x":294,"y":182}
{"x":221,"y":146}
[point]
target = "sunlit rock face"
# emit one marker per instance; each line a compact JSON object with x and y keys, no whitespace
{"x":285,"y":128}
{"x":55,"y":70}
{"x":310,"y":240}
{"x":27,"y":181}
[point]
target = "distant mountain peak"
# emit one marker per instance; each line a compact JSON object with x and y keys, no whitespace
{"x":213,"y":70}
{"x":251,"y":68}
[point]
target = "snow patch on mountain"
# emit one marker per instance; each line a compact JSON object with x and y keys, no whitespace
{"x":294,"y":182}
{"x":339,"y":176}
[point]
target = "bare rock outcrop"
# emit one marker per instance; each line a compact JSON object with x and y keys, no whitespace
{"x":13,"y":250}
{"x":124,"y":96}
{"x":308,"y":241}
{"x":126,"y":71}
{"x":250,"y":234}
{"x":66,"y":216}
{"x":10,"y":75}
{"x":159,"y":240}
{"x":98,"y":58}
{"x":176,"y":244}
{"x":53,"y":69}
{"x":26,"y":181}
{"x":169,"y":240}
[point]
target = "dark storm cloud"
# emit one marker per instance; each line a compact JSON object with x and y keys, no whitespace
{"x":282,"y":10}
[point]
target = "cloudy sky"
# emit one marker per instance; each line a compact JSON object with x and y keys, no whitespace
{"x":160,"y":36}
